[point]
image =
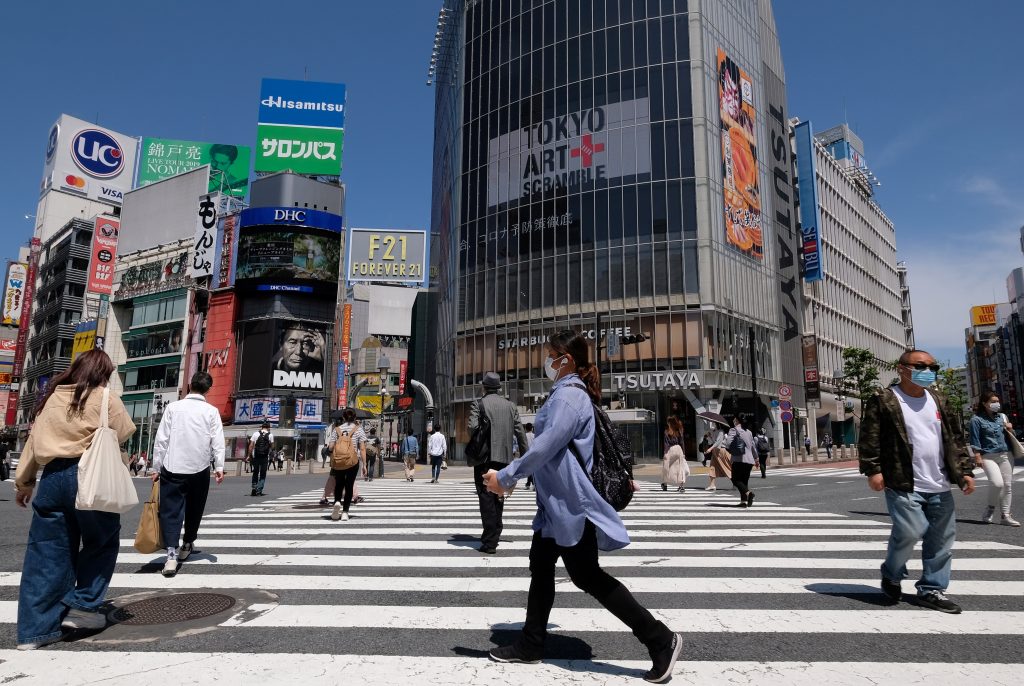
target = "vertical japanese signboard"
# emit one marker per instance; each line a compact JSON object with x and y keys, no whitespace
{"x":14,"y":293}
{"x":26,"y":313}
{"x":204,"y":243}
{"x":403,"y":370}
{"x":810,"y":212}
{"x":346,"y":350}
{"x":101,"y":259}
{"x":812,"y":386}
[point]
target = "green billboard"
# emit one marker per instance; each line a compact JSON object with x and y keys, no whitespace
{"x":313,"y":151}
{"x":163,"y":157}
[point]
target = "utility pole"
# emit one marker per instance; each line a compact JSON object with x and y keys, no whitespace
{"x":753,"y":375}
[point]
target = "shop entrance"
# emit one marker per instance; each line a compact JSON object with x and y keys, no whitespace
{"x":676,"y":405}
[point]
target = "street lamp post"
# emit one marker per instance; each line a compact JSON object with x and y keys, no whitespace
{"x":384,"y":367}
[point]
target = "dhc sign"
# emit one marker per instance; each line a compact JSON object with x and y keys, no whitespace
{"x":290,"y":216}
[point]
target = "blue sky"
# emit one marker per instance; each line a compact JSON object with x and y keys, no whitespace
{"x":934,"y":91}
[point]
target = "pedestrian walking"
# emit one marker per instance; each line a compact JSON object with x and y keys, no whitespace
{"x":261,"y":447}
{"x":346,"y":444}
{"x":505,"y":427}
{"x":410,"y":451}
{"x":189,"y":440}
{"x":437,"y":448}
{"x":827,"y":444}
{"x":528,"y":427}
{"x":807,"y":445}
{"x":704,"y":447}
{"x":573,"y":521}
{"x":372,"y":449}
{"x":71,"y":553}
{"x":721,"y":465}
{"x":674,"y":469}
{"x":763,"y":447}
{"x":5,"y":467}
{"x":988,"y":439}
{"x":912,"y":448}
{"x":740,"y":444}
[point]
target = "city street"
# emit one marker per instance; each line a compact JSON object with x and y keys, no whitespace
{"x":783,"y":593}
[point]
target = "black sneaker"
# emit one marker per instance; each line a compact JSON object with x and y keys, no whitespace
{"x":936,"y":600}
{"x":253,"y":492}
{"x":750,"y":498}
{"x":664,"y":487}
{"x":323,"y":502}
{"x":513,"y":653}
{"x":893,"y":591}
{"x":664,"y":660}
{"x":488,"y":551}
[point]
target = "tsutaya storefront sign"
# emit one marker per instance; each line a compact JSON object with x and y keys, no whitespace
{"x":655,"y":381}
{"x":570,"y":152}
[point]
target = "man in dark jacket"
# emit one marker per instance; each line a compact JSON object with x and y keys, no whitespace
{"x":505,"y":427}
{"x":911,"y":447}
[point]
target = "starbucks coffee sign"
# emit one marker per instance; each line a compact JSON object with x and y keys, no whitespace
{"x":655,"y":381}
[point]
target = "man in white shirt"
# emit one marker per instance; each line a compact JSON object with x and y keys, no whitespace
{"x":261,"y":451}
{"x":437,"y":446}
{"x":190,"y":437}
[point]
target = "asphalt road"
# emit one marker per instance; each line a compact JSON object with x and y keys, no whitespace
{"x":784,"y":592}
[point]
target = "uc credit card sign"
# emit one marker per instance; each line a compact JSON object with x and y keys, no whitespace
{"x":302,"y":103}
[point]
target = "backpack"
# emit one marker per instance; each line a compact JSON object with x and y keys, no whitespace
{"x":737,"y":447}
{"x":344,"y":455}
{"x":372,"y":449}
{"x":611,"y":471}
{"x":762,"y":444}
{"x":479,"y":447}
{"x":262,"y":448}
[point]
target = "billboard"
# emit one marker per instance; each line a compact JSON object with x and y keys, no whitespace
{"x":740,"y":186}
{"x":301,"y":127}
{"x":85,"y":338}
{"x":204,"y":243}
{"x":162,"y":158}
{"x":226,"y":254}
{"x":26,"y":314}
{"x":385,"y":255}
{"x":102,"y":255}
{"x":286,"y":256}
{"x":983,"y":315}
{"x":89,"y":161}
{"x":283,"y":354}
{"x":812,"y":385}
{"x":290,"y":216}
{"x":309,"y":410}
{"x":257,"y":410}
{"x":14,"y":293}
{"x":810,"y":210}
{"x":220,"y":351}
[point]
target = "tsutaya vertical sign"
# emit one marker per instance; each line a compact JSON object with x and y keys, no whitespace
{"x":204,"y":243}
{"x":104,"y":250}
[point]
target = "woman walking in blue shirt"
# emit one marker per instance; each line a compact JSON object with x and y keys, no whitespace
{"x":573,"y":521}
{"x":988,"y":439}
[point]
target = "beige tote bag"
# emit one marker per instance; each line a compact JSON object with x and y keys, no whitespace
{"x":103,"y":481}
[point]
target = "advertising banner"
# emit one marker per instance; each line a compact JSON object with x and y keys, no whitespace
{"x":104,"y":252}
{"x":26,"y":314}
{"x":983,"y":315}
{"x":810,"y":210}
{"x":220,"y":351}
{"x":88,"y":160}
{"x":6,"y":367}
{"x":14,"y":293}
{"x":163,"y":158}
{"x":301,"y":149}
{"x":286,"y":256}
{"x":385,"y":255}
{"x":8,"y":347}
{"x":257,"y":410}
{"x":302,"y":103}
{"x":740,"y":186}
{"x":283,"y":354}
{"x":226,"y":253}
{"x":205,"y":240}
{"x":4,"y":402}
{"x":812,"y":386}
{"x":164,"y":274}
{"x":403,"y":368}
{"x":370,"y":403}
{"x":85,"y":338}
{"x":346,"y":352}
{"x":289,"y":216}
{"x":309,"y":410}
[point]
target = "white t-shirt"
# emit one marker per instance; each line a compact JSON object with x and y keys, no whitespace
{"x":924,"y":431}
{"x":436,"y":444}
{"x":252,"y":442}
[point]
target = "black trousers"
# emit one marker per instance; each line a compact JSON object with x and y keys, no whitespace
{"x":741,"y":477}
{"x":491,"y":506}
{"x":259,"y":473}
{"x":585,"y":571}
{"x":762,"y":461}
{"x":182,"y":499}
{"x":344,"y":484}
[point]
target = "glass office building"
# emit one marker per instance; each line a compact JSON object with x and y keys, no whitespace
{"x":605,"y":166}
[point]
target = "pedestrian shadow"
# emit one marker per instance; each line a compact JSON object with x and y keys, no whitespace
{"x":157,"y":565}
{"x":574,"y":654}
{"x":730,"y":506}
{"x":464,"y":541}
{"x":869,"y":595}
{"x":868,"y":514}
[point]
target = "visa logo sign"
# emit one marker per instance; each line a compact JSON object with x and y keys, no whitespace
{"x":111,"y":193}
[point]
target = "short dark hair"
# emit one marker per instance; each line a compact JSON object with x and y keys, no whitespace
{"x":265,"y":425}
{"x":373,"y":430}
{"x":907,"y":353}
{"x":528,"y":426}
{"x":437,"y":427}
{"x":222,"y":149}
{"x":349,"y":415}
{"x":201,"y":382}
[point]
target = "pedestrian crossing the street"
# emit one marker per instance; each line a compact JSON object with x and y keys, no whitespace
{"x":854,"y":472}
{"x":400,"y":594}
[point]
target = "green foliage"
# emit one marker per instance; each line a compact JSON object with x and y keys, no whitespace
{"x":860,"y":371}
{"x":949,"y":385}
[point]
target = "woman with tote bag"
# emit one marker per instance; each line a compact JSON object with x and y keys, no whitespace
{"x":71,"y":552}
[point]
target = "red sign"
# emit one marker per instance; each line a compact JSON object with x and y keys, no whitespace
{"x":8,"y":346}
{"x":346,"y":350}
{"x":26,"y":313}
{"x":403,"y":368}
{"x":405,"y":402}
{"x":104,"y":252}
{"x":220,"y":351}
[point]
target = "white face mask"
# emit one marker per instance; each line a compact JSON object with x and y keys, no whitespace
{"x":994,"y":407}
{"x":549,"y":367}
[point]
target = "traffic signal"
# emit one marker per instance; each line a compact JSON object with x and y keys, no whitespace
{"x":634,"y":338}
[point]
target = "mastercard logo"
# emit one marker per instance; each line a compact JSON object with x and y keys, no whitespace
{"x":74,"y":181}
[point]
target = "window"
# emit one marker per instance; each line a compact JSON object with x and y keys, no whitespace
{"x":164,"y":309}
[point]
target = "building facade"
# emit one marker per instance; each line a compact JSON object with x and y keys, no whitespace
{"x":606,"y":168}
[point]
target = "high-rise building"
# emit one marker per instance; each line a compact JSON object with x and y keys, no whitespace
{"x":611,"y":168}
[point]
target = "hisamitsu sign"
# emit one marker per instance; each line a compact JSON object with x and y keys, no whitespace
{"x":385,"y":255}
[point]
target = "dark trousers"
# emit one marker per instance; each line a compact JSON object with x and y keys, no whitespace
{"x":371,"y":463}
{"x":5,"y":471}
{"x":762,"y":461}
{"x":585,"y":571}
{"x":740,"y":477}
{"x":259,"y":473}
{"x":182,"y":499}
{"x":344,"y":484}
{"x":491,"y":506}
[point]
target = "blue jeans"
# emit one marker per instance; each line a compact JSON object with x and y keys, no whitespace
{"x":916,"y":516}
{"x":435,"y":466}
{"x":57,"y":575}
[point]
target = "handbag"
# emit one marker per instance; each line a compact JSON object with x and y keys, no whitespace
{"x":478,"y":450}
{"x":1016,"y":449}
{"x":148,"y":538}
{"x":103,"y":481}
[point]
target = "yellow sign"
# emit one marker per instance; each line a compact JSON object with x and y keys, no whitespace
{"x":85,"y":339}
{"x":370,"y":403}
{"x":983,"y":315}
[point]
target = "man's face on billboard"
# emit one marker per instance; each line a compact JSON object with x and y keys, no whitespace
{"x":292,"y":353}
{"x":220,"y":162}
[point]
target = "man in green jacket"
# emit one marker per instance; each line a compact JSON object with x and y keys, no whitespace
{"x":911,"y":446}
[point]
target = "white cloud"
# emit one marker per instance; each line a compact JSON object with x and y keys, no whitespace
{"x":992,"y":192}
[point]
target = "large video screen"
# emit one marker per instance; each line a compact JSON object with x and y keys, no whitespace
{"x":283,"y":354}
{"x":286,"y":256}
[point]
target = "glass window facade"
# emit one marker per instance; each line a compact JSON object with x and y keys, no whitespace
{"x":161,"y":310}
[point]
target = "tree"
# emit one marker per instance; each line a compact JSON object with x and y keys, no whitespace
{"x":949,"y":385}
{"x":860,"y":370}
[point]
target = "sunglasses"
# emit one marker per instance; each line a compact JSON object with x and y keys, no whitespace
{"x":921,"y":366}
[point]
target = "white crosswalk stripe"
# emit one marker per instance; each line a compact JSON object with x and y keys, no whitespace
{"x":853,"y":472}
{"x":408,"y":564}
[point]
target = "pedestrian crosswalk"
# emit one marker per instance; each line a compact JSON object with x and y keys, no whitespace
{"x":853,"y":472}
{"x":776,"y":594}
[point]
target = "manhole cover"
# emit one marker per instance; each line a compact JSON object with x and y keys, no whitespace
{"x":177,"y":607}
